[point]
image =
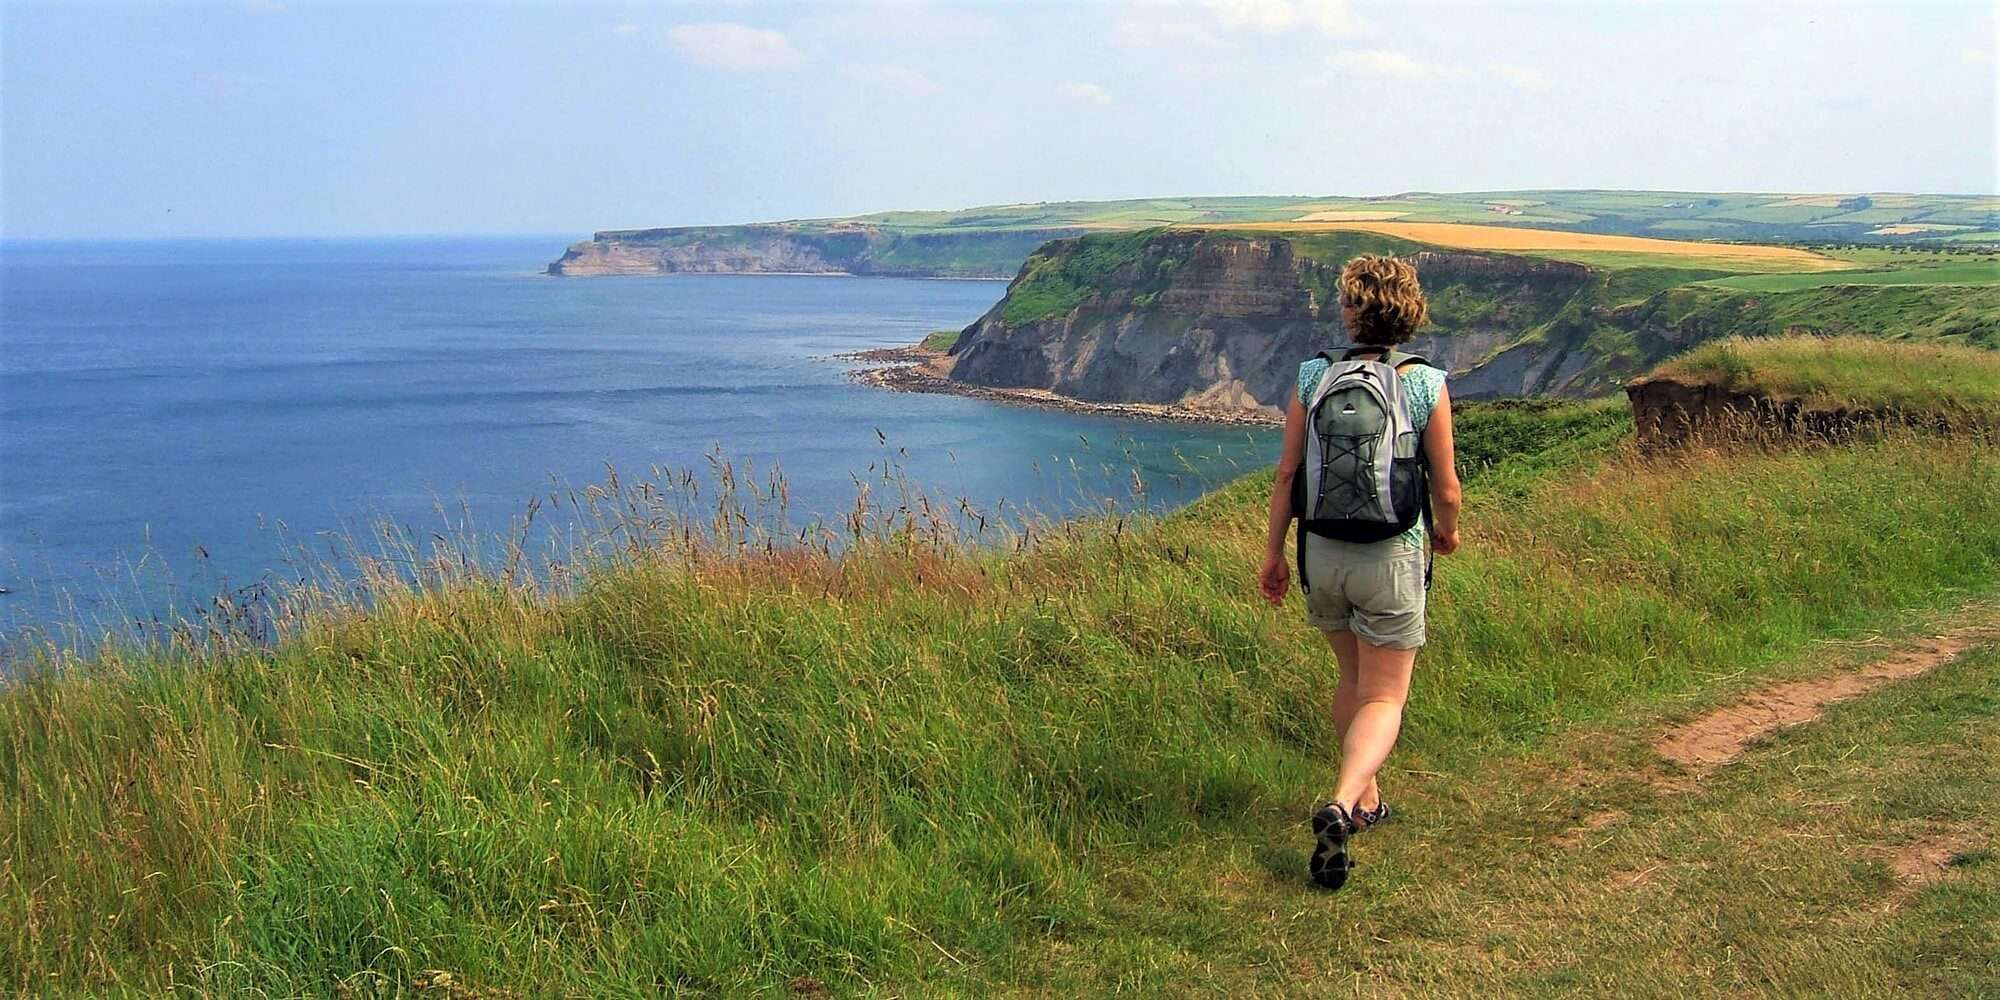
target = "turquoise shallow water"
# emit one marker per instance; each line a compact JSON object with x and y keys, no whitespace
{"x":164,"y":407}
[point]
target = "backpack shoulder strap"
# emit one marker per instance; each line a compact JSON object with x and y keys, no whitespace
{"x":1389,"y":356}
{"x":1324,"y":376}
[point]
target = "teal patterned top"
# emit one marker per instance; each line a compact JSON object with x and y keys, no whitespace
{"x":1420,"y":382}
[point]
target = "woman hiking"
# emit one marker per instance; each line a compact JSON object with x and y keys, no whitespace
{"x":1367,"y":596}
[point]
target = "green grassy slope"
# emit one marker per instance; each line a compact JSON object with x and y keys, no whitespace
{"x":1952,"y":313}
{"x":939,"y":340}
{"x":1849,"y":373}
{"x":1074,"y":768}
{"x":1563,"y":871}
{"x":1882,"y":267}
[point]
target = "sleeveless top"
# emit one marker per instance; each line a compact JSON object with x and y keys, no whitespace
{"x":1420,"y":382}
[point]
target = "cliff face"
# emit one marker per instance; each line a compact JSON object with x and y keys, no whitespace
{"x":1188,"y":319}
{"x":801,"y":248}
{"x":1223,"y":321}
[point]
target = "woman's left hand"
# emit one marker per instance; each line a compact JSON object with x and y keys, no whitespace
{"x":1274,"y":579}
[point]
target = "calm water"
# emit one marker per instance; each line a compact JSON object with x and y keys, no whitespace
{"x":163,"y":406}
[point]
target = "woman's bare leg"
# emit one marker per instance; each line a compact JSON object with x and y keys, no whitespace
{"x":1347,"y":699}
{"x":1383,"y":686}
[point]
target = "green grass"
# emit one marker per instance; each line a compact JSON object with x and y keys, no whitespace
{"x":1883,"y":268}
{"x":1618,"y":259}
{"x":1962,"y":314}
{"x":1849,"y":373}
{"x":1071,"y":768}
{"x":939,"y":340}
{"x":1773,"y":878}
{"x":1059,"y":276}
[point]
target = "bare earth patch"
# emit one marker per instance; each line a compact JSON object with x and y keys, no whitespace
{"x":1919,"y":863}
{"x":1577,"y":835}
{"x":1721,"y":736}
{"x":1927,"y":859}
{"x":1633,"y":879}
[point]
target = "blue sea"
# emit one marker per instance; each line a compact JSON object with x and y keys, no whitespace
{"x":176,"y":419}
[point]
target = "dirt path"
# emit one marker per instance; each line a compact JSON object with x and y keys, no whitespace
{"x":1720,"y":736}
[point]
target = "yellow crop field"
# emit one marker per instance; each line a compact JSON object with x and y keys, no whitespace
{"x":1807,"y":201}
{"x":1912,"y":228}
{"x":1466,"y":236}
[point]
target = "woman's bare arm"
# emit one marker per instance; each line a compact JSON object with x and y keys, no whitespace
{"x":1275,"y":577}
{"x":1446,"y":497}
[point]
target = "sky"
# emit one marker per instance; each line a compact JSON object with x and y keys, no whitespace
{"x":290,"y":118}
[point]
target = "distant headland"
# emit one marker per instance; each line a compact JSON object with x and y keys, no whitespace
{"x":992,"y":241}
{"x":1200,"y":309}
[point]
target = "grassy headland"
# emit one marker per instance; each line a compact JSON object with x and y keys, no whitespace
{"x":1075,"y":765}
{"x":1848,"y":373}
{"x":991,"y":241}
{"x":1097,"y":317}
{"x":939,"y":340}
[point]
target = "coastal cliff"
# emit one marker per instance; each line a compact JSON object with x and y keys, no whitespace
{"x":791,"y":248}
{"x":1217,"y":322}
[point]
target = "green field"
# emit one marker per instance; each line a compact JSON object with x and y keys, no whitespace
{"x":1073,"y":763}
{"x":1613,"y":260}
{"x":1882,"y":267}
{"x":1850,"y":373}
{"x":1963,"y":314}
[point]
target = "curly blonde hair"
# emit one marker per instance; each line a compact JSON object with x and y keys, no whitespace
{"x":1388,"y":305}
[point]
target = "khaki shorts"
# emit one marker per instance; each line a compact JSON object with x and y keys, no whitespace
{"x":1374,"y":589}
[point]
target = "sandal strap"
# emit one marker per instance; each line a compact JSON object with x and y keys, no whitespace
{"x":1370,"y":817}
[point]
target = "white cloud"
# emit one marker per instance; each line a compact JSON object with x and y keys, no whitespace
{"x":725,"y":45}
{"x":625,"y":30}
{"x":1975,"y":56}
{"x":908,"y":20}
{"x":1524,"y":77}
{"x":1332,"y":18}
{"x":1152,"y":31}
{"x":1089,"y":93}
{"x":900,"y":78}
{"x":1381,"y":62}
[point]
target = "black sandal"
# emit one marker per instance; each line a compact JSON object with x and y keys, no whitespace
{"x":1330,"y":864}
{"x":1365,"y":819}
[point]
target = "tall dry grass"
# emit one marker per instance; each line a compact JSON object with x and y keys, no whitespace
{"x":717,"y":764}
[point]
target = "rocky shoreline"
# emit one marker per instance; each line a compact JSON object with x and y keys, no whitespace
{"x":920,"y":369}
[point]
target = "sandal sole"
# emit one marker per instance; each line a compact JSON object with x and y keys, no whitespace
{"x":1330,"y":864}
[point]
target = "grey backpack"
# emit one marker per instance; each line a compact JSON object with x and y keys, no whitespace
{"x":1363,"y":478}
